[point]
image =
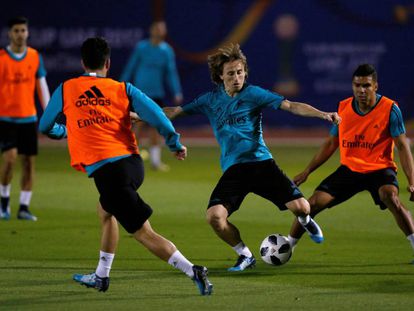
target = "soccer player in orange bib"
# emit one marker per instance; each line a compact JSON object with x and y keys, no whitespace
{"x":101,"y":143}
{"x":21,"y":72}
{"x":371,"y":126}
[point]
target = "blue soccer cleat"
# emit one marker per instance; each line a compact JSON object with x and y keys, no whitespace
{"x":26,"y":215}
{"x":243,"y":263}
{"x":92,"y":281}
{"x":201,"y":280}
{"x":314,"y":231}
{"x":5,"y":214}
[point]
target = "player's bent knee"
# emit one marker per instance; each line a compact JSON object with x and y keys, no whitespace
{"x":213,"y":219}
{"x":313,"y":202}
{"x":10,"y":161}
{"x":106,"y":217}
{"x":217,"y":216}
{"x":319,"y":201}
{"x":299,"y":206}
{"x":390,"y":198}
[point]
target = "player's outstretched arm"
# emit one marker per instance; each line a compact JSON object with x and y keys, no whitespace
{"x":323,"y":154}
{"x":306,"y":110}
{"x":406,"y":159}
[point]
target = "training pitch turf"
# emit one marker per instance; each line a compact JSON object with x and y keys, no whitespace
{"x":364,"y":264}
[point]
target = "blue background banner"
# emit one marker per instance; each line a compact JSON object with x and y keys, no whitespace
{"x":303,"y":49}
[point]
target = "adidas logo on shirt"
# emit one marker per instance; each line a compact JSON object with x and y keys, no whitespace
{"x":93,"y":97}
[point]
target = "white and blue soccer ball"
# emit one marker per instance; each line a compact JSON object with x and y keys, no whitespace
{"x":275,"y":249}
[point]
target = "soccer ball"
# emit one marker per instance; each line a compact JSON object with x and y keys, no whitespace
{"x":275,"y":249}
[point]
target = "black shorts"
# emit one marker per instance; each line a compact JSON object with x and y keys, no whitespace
{"x":22,"y":136}
{"x":263,"y":178}
{"x":344,"y":184}
{"x":117,"y":183}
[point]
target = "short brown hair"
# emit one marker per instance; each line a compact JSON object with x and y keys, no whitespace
{"x":18,"y":20}
{"x":95,"y":51}
{"x":228,"y":53}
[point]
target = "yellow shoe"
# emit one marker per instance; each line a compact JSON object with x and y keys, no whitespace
{"x":144,"y":154}
{"x":162,"y":167}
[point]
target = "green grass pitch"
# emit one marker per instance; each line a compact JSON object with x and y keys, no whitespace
{"x":362,"y":265}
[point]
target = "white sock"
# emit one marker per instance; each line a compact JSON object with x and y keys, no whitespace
{"x":177,"y":260}
{"x":5,"y":191}
{"x":105,"y":264}
{"x":155,"y":155}
{"x":411,"y":239}
{"x":304,"y":220}
{"x":293,"y":241}
{"x":242,"y":249}
{"x":25,"y":197}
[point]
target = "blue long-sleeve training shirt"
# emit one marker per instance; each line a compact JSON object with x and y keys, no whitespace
{"x":151,"y":68}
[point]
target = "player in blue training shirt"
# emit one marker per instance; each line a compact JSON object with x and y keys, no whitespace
{"x":152,"y":68}
{"x":234,"y":111}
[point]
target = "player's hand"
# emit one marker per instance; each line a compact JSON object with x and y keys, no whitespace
{"x":300,"y":178}
{"x":333,"y":117}
{"x":134,"y":117}
{"x":411,"y":191}
{"x":181,"y":154}
{"x":178,"y":99}
{"x":172,"y":112}
{"x":168,"y":111}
